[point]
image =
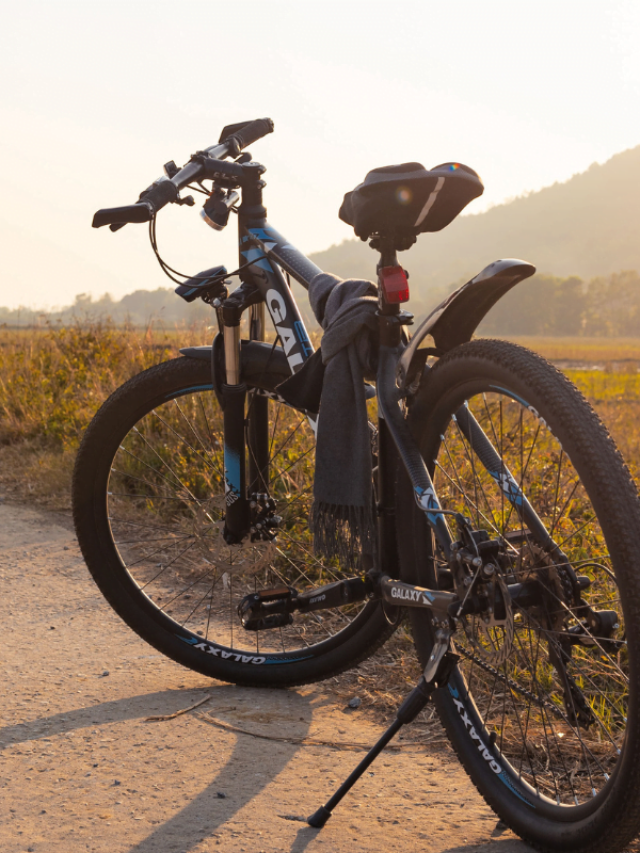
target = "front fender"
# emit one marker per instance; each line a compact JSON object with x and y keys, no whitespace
{"x":455,"y":320}
{"x":262,"y":365}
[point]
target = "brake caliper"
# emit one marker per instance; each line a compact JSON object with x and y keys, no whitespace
{"x":485,"y":611}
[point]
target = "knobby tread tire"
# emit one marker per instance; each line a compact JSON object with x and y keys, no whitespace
{"x":125,"y":406}
{"x":615,"y":499}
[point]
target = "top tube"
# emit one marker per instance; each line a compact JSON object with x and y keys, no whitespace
{"x":284,"y":254}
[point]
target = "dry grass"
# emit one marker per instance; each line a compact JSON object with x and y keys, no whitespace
{"x":52,"y":381}
{"x":592,"y":350}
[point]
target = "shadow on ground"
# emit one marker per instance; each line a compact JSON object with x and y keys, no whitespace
{"x":188,"y":828}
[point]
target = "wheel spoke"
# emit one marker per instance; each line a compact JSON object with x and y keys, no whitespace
{"x":528,"y":703}
{"x":165,"y":514}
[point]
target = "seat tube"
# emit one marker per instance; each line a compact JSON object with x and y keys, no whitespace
{"x":386,"y":503}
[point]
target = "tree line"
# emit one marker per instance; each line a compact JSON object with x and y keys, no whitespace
{"x":605,"y":306}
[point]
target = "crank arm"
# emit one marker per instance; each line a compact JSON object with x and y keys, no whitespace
{"x":334,"y":594}
{"x":272,"y":608}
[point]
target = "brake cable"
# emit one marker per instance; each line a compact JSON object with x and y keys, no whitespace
{"x":168,"y":270}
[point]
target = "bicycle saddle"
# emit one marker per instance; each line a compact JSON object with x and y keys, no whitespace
{"x":408,"y":199}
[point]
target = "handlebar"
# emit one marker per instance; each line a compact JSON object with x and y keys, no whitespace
{"x":246,"y":133}
{"x":165,"y":190}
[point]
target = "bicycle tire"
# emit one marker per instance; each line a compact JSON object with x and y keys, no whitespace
{"x":563,"y":776}
{"x":148,"y":504}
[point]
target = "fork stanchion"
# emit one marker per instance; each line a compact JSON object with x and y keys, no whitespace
{"x":406,"y":713}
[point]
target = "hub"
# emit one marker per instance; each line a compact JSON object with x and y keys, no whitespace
{"x":265,"y":522}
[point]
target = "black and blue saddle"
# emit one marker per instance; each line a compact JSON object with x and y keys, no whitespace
{"x":408,"y":199}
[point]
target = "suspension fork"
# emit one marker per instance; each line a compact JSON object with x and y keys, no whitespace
{"x":234,"y":394}
{"x":258,"y":418}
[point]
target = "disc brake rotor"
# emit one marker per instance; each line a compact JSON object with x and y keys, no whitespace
{"x":491,"y":634}
{"x":555,"y":584}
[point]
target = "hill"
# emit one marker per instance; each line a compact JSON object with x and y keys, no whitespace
{"x":583,"y":235}
{"x":587,"y":226}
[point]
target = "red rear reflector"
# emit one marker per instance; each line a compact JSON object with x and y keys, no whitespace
{"x":395,"y":284}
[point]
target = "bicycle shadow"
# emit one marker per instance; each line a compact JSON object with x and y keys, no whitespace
{"x":207,"y":811}
{"x":118,"y":710}
{"x":492,"y":845}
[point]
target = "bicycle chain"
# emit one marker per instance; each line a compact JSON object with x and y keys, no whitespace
{"x":542,"y":703}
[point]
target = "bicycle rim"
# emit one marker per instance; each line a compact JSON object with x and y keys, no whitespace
{"x":165,"y":504}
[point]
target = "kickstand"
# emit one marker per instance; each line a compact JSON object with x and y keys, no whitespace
{"x":406,"y":713}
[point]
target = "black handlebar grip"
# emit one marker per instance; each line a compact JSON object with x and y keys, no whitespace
{"x":122,"y":215}
{"x":251,"y":132}
{"x":150,"y":202}
{"x":159,"y":194}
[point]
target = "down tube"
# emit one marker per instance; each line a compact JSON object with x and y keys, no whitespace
{"x":278,"y":297}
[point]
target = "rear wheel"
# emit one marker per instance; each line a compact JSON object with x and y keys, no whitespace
{"x":543,"y":708}
{"x":149,"y":513}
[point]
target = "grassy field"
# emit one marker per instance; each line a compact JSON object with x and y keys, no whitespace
{"x":52,"y":380}
{"x":589,"y":350}
{"x":608,"y":377}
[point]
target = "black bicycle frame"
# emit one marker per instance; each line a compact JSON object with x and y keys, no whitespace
{"x":268,"y":253}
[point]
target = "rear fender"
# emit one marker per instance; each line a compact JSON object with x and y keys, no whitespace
{"x":455,"y":320}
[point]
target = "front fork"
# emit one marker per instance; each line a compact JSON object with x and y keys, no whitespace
{"x":258,"y":419}
{"x":234,"y":393}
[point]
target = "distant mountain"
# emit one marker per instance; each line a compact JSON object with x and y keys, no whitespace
{"x":587,"y":226}
{"x":583,"y":235}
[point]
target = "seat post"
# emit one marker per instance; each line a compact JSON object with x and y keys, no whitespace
{"x":388,"y":258}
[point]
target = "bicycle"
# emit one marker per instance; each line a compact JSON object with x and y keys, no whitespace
{"x":506,"y":518}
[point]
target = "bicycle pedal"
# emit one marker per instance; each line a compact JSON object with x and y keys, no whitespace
{"x":265,"y":623}
{"x":276,"y":593}
{"x":267,"y":608}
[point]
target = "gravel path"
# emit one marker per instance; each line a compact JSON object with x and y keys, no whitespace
{"x":82,"y":769}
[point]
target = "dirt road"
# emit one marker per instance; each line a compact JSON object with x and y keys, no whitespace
{"x":82,"y":769}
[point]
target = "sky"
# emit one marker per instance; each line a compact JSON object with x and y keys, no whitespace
{"x":96,"y":96}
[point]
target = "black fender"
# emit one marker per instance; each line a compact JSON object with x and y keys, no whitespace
{"x":455,"y":320}
{"x":266,"y":367}
{"x":262,"y":365}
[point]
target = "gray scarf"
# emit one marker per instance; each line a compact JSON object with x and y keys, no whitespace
{"x":343,"y":518}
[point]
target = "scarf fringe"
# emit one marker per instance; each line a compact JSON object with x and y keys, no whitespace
{"x":343,"y":532}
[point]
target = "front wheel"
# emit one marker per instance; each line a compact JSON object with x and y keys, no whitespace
{"x":149,"y":500}
{"x":543,"y":708}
